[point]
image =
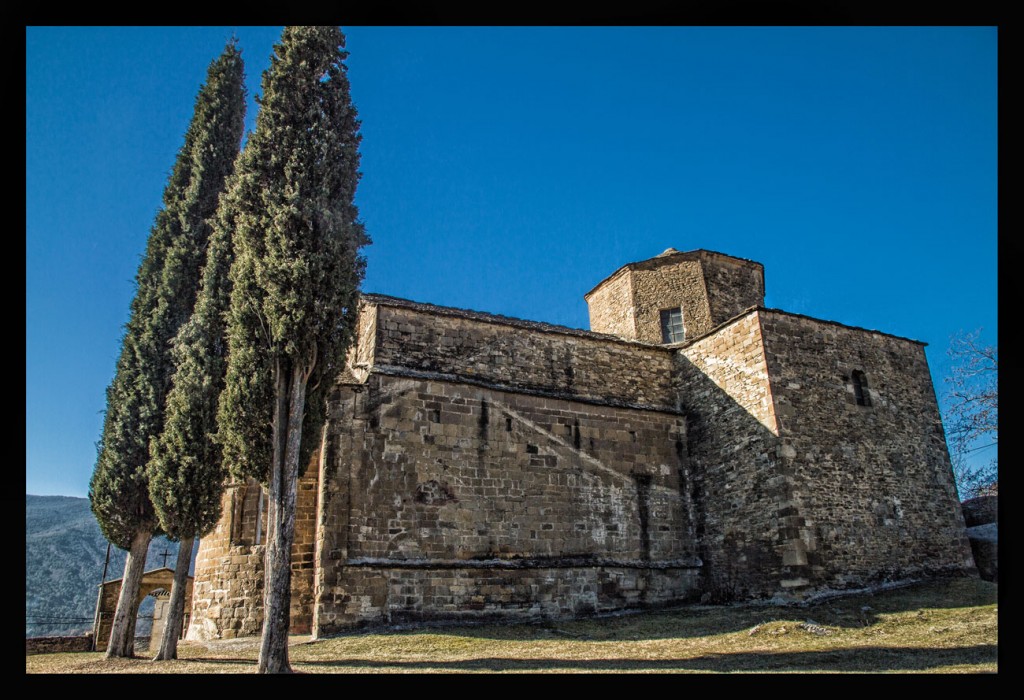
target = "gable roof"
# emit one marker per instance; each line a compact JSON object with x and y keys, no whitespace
{"x":148,"y":576}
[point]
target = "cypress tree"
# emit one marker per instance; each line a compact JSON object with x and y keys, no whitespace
{"x":186,"y":477}
{"x":165,"y":294}
{"x":295,"y":284}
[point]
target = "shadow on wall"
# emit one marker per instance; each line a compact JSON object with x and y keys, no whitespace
{"x":742,"y":503}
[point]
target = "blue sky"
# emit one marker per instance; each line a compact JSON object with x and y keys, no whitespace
{"x":510,"y":169}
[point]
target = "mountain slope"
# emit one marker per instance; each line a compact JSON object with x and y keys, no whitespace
{"x":64,"y":553}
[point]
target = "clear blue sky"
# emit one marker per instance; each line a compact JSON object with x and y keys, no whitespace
{"x":509,"y":170}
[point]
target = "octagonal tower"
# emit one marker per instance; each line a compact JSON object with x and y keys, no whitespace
{"x":675,"y":296}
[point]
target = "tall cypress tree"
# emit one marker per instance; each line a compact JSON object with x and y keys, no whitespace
{"x":165,"y":294}
{"x":295,"y":285}
{"x":186,"y":474}
{"x":186,"y":477}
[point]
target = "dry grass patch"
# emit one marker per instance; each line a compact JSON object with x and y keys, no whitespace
{"x":943,"y":627}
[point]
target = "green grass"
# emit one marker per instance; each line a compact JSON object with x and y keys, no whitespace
{"x":948,"y":626}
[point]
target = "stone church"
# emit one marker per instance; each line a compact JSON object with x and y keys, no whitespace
{"x":693,"y":445}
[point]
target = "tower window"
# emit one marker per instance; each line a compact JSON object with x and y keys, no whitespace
{"x":860,"y":388}
{"x":672,"y":326}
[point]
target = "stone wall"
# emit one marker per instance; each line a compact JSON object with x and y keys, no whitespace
{"x":984,"y":541}
{"x":742,"y":499}
{"x":227,"y":599}
{"x":611,"y":306}
{"x":108,"y":595}
{"x":57,"y":645}
{"x":419,"y":340}
{"x":303,"y":549}
{"x":442,"y":499}
{"x":733,"y":286}
{"x":385,"y":594}
{"x":980,"y":510}
{"x":677,"y":284}
{"x":228,"y":581}
{"x":874,"y":495}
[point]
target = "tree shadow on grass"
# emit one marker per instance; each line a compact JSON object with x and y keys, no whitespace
{"x":145,"y":664}
{"x":854,"y":611}
{"x":861,"y":660}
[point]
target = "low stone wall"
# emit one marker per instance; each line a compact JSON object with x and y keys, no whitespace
{"x":984,"y":541}
{"x":981,"y":516}
{"x":57,"y":645}
{"x":981,"y":510}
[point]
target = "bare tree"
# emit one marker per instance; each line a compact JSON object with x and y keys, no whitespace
{"x":972,"y":413}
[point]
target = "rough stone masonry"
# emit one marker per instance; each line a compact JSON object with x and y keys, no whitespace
{"x":693,"y":445}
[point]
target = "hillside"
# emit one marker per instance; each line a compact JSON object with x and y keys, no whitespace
{"x":64,"y":553}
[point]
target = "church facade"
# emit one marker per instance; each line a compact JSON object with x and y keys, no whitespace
{"x":693,"y":445}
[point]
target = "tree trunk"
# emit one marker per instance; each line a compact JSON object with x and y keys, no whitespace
{"x":270,"y":658}
{"x":122,"y":631}
{"x":176,"y":609}
{"x":288,"y":413}
{"x":133,"y":627}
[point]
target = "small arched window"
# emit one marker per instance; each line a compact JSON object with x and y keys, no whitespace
{"x":860,"y":388}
